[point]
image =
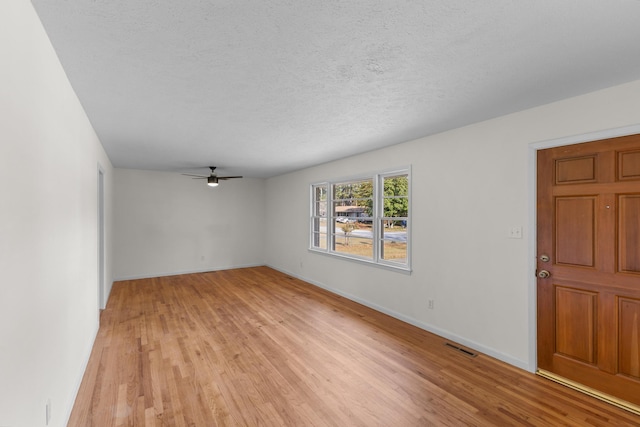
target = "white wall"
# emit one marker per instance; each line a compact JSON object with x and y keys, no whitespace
{"x":49,"y":156}
{"x":470,"y":186}
{"x":166,"y":223}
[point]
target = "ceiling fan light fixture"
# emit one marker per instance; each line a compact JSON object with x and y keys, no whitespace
{"x":212,"y":181}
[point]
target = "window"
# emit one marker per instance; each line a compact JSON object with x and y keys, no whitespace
{"x":351,"y":221}
{"x":366,"y":219}
{"x":319,"y":217}
{"x":393,"y":222}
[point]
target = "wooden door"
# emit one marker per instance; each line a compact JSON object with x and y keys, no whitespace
{"x":589,"y":227}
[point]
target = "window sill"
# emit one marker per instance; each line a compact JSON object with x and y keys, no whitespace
{"x":398,"y":269}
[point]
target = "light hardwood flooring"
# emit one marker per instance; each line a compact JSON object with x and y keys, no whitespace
{"x":254,"y":347}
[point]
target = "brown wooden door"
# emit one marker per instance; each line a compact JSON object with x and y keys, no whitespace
{"x":589,"y":227}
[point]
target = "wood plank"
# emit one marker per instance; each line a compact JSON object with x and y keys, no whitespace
{"x":257,"y":347}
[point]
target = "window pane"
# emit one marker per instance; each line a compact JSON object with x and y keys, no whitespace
{"x":393,"y":230}
{"x":319,"y":225}
{"x":320,"y":240}
{"x":320,"y":192}
{"x":356,"y":208}
{"x":393,"y":224}
{"x":396,"y":186}
{"x":320,"y":208}
{"x":393,"y":243}
{"x":353,"y":243}
{"x":319,"y":233}
{"x":395,"y":196}
{"x":319,"y":200}
{"x":353,"y":190}
{"x":353,"y":238}
{"x":394,"y":251}
{"x":396,"y":207}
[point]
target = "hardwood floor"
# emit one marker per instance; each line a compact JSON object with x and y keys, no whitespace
{"x":253,"y":347}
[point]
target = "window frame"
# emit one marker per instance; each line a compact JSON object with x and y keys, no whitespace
{"x":317,"y":216}
{"x":377,"y":217}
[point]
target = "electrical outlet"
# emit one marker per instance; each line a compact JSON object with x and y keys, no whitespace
{"x":515,"y":233}
{"x":431,"y":304}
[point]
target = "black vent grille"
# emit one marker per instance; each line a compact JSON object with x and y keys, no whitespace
{"x":461,"y":350}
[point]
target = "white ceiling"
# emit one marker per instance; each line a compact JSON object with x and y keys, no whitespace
{"x":263,"y":87}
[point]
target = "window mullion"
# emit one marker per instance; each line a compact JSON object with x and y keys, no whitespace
{"x":331,"y":219}
{"x":376,"y":214}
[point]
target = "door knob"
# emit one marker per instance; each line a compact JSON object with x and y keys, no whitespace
{"x":543,"y":274}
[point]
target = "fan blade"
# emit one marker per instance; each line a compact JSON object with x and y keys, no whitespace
{"x":228,"y":177}
{"x":199,"y":176}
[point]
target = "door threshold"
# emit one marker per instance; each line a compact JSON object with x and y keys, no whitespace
{"x":628,"y":406}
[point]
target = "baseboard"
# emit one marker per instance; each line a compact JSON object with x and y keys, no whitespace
{"x":419,"y":324}
{"x":79,"y":378}
{"x":177,"y":273}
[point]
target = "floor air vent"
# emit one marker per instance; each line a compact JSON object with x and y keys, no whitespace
{"x":461,"y":350}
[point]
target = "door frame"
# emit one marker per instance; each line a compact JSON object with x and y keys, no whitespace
{"x":101,"y":240}
{"x":532,"y":225}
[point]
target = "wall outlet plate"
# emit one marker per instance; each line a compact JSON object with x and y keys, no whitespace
{"x":515,"y":233}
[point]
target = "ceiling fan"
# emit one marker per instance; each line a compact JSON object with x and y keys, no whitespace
{"x":212,"y":180}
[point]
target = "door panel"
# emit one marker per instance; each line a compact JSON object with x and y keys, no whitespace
{"x":589,"y":226}
{"x":629,"y":233}
{"x":575,"y":231}
{"x":628,"y":165}
{"x":575,"y":323}
{"x":576,"y":170}
{"x":630,"y":337}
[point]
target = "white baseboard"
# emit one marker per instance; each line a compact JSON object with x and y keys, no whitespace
{"x":177,"y":273}
{"x":422,"y":325}
{"x":83,"y":370}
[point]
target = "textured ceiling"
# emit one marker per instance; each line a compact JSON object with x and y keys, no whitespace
{"x":260,"y":88}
